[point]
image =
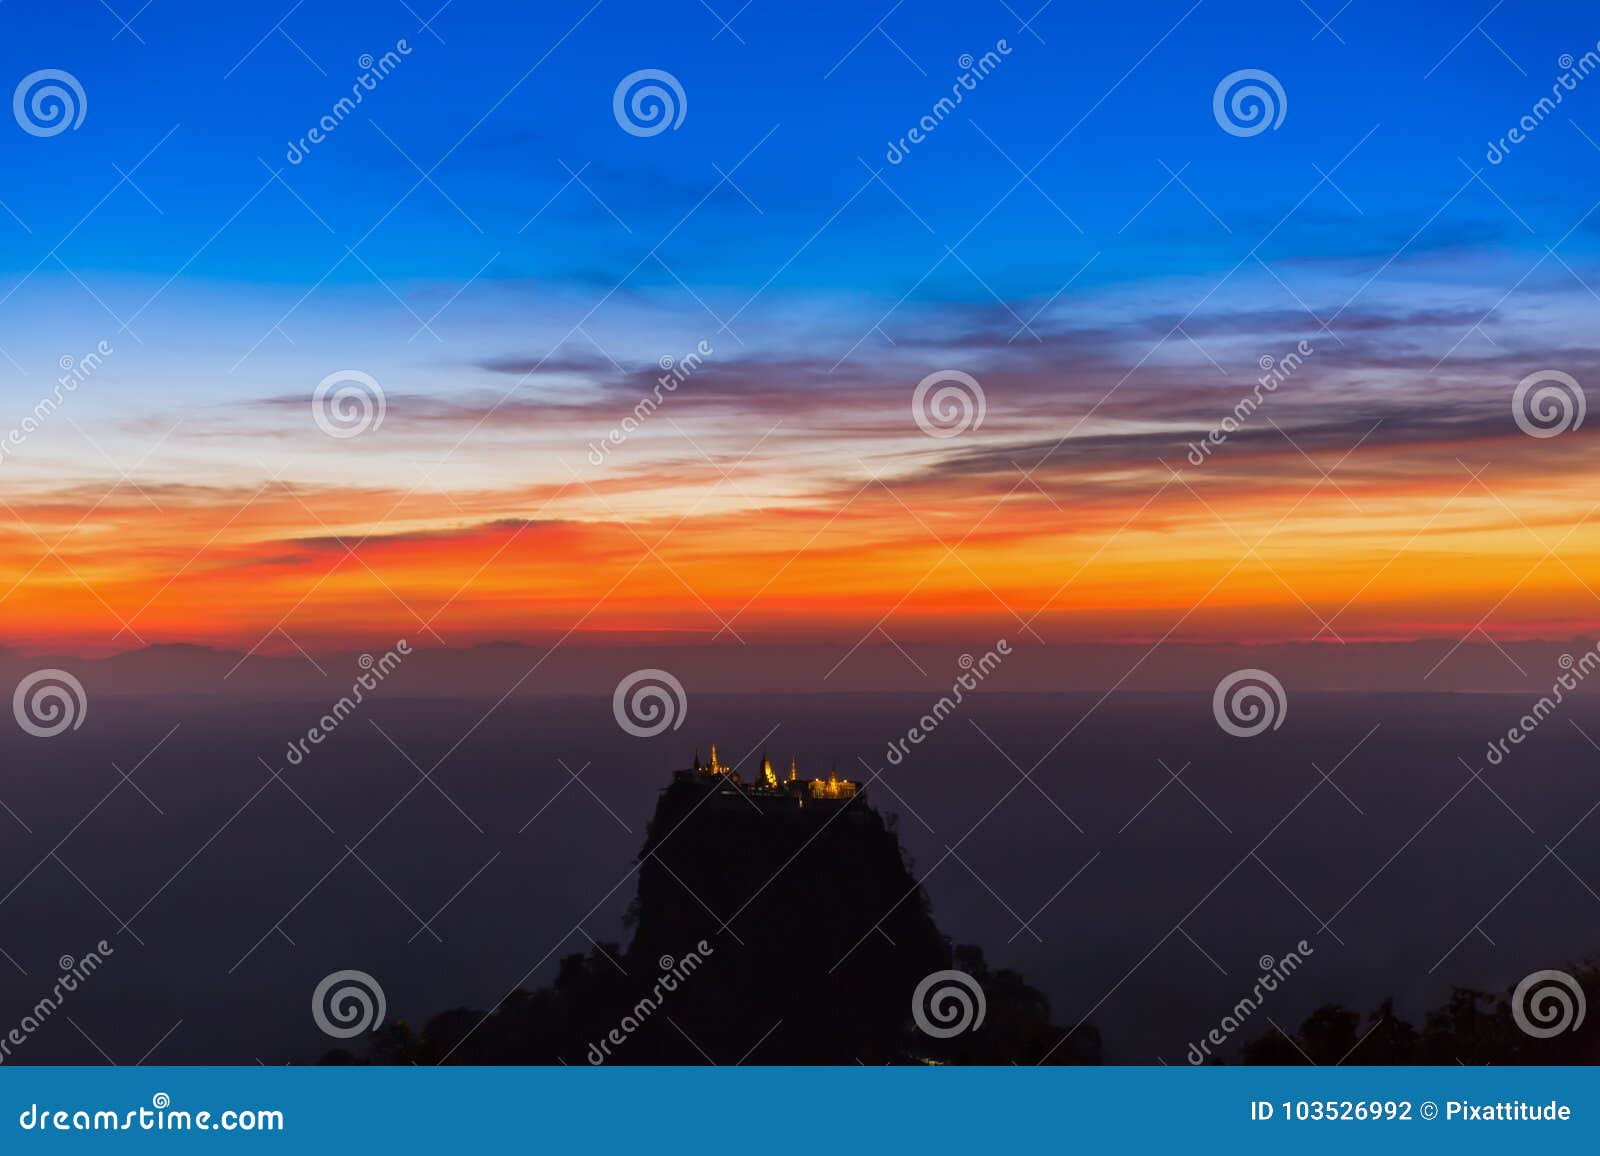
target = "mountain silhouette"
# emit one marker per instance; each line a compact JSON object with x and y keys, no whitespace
{"x":774,"y":923}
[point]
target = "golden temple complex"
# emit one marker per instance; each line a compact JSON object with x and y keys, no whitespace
{"x":766,"y":785}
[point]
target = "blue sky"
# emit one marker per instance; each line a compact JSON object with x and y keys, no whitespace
{"x":820,"y":114}
{"x":483,"y":238}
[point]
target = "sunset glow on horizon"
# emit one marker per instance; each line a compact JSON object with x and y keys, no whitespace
{"x":668,"y":386}
{"x":800,"y":538}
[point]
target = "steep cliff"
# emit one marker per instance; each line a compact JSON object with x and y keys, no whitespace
{"x":767,"y":928}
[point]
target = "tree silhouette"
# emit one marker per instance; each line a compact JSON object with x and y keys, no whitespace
{"x":1471,"y":1027}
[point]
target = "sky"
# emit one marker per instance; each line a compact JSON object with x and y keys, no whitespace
{"x":509,"y":266}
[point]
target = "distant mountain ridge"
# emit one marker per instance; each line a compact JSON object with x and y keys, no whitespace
{"x":584,"y":666}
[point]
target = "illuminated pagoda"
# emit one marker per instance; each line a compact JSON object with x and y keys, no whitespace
{"x":766,"y":790}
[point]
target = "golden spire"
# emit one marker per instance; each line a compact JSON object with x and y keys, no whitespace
{"x":794,"y":770}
